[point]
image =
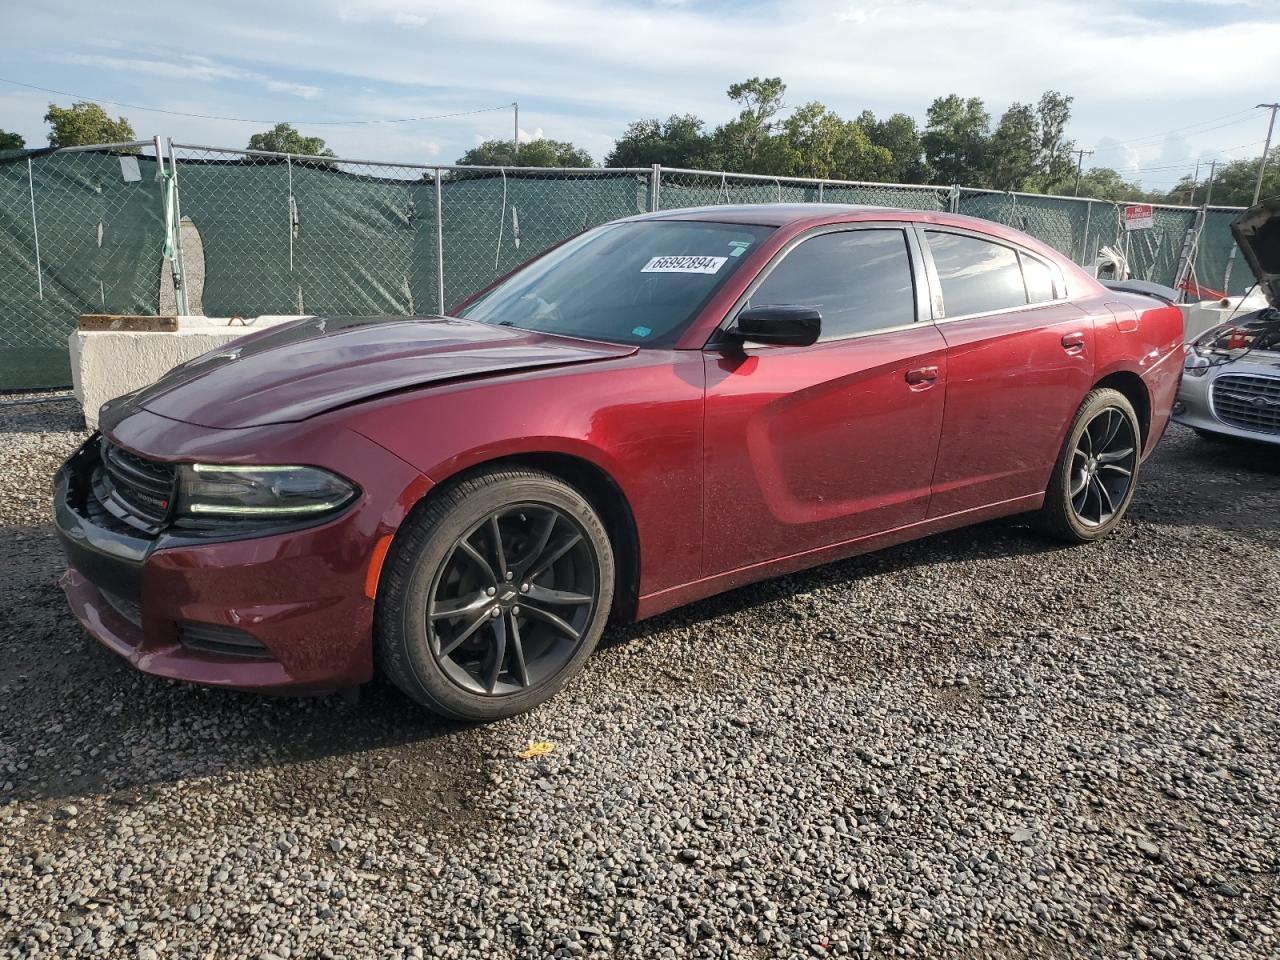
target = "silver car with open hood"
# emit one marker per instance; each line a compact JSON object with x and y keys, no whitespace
{"x":1231,"y":380}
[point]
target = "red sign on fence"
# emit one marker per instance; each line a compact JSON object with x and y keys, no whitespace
{"x":1139,"y":216}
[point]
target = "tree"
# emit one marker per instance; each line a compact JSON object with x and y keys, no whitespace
{"x":533,"y":153}
{"x":1014,"y":152}
{"x":680,"y":141}
{"x":900,"y":136}
{"x":84,"y":123}
{"x":955,"y":140}
{"x":818,"y":143}
{"x":1104,"y":183}
{"x":1056,"y":170}
{"x":11,"y":141}
{"x":283,"y":138}
{"x":745,"y":144}
{"x":1233,"y":183}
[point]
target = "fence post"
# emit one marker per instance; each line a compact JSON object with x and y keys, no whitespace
{"x":439,"y":245}
{"x":289,"y":208}
{"x":35,"y":230}
{"x":179,"y":261}
{"x":1084,"y":241}
{"x":953,"y":198}
{"x":655,"y":188}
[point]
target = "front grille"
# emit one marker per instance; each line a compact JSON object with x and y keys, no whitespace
{"x":1248,"y":401}
{"x":132,"y":488}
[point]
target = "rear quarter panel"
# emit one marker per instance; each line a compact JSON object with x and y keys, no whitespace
{"x":1141,"y":335}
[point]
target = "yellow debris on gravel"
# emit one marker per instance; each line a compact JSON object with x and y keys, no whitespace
{"x":538,"y":748}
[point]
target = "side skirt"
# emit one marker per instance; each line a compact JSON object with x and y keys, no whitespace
{"x":654,"y":603}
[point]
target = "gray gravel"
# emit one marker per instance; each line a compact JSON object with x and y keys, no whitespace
{"x":978,"y":745}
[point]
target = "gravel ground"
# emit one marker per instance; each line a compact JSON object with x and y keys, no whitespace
{"x":979,"y":745}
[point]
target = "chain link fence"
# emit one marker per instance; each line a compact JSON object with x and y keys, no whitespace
{"x":81,"y":231}
{"x":126,"y":228}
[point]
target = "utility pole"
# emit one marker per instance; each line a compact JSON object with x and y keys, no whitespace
{"x":1208,"y":190}
{"x":1195,"y":182}
{"x":1080,"y":155}
{"x":515,"y":107}
{"x":1262,"y":163}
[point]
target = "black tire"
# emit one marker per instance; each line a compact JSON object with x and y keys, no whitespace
{"x":1061,"y":516}
{"x":429,"y":559}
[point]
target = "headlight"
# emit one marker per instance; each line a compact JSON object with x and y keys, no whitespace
{"x":259,"y":492}
{"x":1196,"y":364}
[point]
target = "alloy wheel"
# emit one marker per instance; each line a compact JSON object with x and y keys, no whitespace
{"x":511,"y":603}
{"x":1102,"y":467}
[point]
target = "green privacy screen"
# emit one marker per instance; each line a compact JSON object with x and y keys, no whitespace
{"x":100,"y":230}
{"x":271,"y":234}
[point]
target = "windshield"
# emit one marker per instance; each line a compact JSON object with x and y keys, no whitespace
{"x":636,"y":283}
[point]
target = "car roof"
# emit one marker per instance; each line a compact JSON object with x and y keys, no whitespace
{"x":815,"y":214}
{"x":807,"y":215}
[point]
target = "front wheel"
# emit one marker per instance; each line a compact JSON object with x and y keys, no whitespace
{"x":495,"y":594}
{"x":1093,"y":480}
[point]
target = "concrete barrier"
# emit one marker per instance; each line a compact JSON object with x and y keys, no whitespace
{"x":106,"y":363}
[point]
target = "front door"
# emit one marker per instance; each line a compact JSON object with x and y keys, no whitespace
{"x":807,"y":447}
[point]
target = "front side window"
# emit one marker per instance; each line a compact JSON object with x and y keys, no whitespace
{"x":976,"y":276}
{"x":638,"y":283}
{"x":859,"y":280}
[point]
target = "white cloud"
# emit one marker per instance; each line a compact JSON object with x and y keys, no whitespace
{"x":197,"y":68}
{"x":582,"y":70}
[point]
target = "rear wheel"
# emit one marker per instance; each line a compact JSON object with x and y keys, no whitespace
{"x":1097,"y":469}
{"x":495,"y":594}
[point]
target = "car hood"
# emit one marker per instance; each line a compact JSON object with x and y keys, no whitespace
{"x":1257,"y":230}
{"x":299,"y":369}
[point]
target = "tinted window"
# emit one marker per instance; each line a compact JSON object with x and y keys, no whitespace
{"x":1039,"y":280}
{"x":976,"y":276}
{"x":638,"y":283}
{"x":859,"y":281}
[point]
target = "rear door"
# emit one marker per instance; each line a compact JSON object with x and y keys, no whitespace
{"x":812,"y":446}
{"x":1019,"y":361}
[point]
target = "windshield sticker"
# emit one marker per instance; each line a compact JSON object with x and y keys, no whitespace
{"x":684,"y":265}
{"x":739,"y":247}
{"x":640,"y":331}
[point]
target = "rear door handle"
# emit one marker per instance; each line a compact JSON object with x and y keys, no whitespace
{"x":1073,"y":342}
{"x":922,"y":376}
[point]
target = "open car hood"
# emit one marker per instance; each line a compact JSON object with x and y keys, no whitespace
{"x":300,"y":369}
{"x":1257,"y":231}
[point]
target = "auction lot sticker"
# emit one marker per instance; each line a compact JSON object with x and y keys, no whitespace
{"x":684,"y":265}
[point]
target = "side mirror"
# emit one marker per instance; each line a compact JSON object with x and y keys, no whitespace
{"x":782,"y":325}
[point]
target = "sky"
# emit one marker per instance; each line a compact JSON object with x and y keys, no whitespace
{"x":1157,"y":84}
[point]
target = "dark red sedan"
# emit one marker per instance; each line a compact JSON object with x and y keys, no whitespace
{"x":657,"y":410}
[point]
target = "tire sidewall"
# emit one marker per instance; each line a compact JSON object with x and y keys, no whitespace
{"x":410,"y":641}
{"x":1094,"y":404}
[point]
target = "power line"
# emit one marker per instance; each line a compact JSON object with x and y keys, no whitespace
{"x":1189,"y":127}
{"x":207,"y":116}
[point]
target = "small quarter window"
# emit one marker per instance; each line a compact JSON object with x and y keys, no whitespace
{"x":976,"y":276}
{"x":1039,"y":279}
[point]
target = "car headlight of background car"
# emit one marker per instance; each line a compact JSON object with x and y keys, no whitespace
{"x":224,"y":492}
{"x":1207,"y":349}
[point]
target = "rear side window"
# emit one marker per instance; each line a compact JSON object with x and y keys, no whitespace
{"x":976,"y":276}
{"x":859,"y":280}
{"x":1039,"y":279}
